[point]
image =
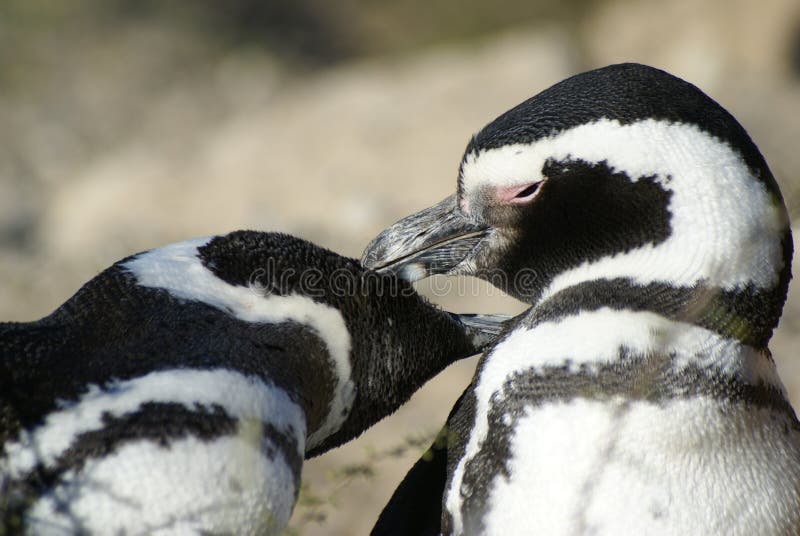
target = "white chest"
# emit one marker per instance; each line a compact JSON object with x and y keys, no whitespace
{"x":242,"y":480}
{"x":230,"y":485}
{"x":686,"y":467}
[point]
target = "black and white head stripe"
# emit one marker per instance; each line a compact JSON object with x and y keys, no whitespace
{"x":623,"y":94}
{"x":643,"y":178}
{"x":701,"y":178}
{"x":622,"y":173}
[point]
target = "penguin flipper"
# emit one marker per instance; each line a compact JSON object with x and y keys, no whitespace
{"x":415,"y":508}
{"x":416,"y":505}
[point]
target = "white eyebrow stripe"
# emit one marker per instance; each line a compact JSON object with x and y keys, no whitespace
{"x":709,"y":183}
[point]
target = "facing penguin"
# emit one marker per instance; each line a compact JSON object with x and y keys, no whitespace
{"x":637,"y":394}
{"x":182,"y":387}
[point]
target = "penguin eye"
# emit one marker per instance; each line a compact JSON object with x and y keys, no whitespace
{"x":522,"y":193}
{"x":527,"y":192}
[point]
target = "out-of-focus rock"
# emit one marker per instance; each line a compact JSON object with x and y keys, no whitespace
{"x":330,"y":156}
{"x":709,"y":42}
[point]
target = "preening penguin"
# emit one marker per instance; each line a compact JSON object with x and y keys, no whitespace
{"x":637,"y":394}
{"x":181,"y":389}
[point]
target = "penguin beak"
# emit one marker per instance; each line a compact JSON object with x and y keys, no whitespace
{"x":437,"y":240}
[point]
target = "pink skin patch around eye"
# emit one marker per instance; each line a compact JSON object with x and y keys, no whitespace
{"x":522,"y":193}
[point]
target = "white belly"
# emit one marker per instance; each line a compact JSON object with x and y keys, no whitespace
{"x":686,"y":467}
{"x":228,"y":485}
{"x":239,"y":482}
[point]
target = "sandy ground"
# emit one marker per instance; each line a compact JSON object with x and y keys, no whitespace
{"x":335,"y":156}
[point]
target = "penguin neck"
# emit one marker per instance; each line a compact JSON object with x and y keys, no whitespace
{"x":603,"y":349}
{"x":399,"y":343}
{"x":747,"y":311}
{"x":705,"y":301}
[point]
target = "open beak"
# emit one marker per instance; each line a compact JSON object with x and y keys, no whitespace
{"x":437,"y":240}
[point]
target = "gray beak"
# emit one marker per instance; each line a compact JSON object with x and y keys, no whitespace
{"x":484,"y":328}
{"x":437,"y":240}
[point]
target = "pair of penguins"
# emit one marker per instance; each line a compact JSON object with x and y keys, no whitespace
{"x":180,"y":390}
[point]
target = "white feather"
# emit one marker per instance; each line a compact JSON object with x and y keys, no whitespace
{"x":177,"y":269}
{"x":631,"y":467}
{"x":229,"y":485}
{"x":242,"y":397}
{"x":594,"y":338}
{"x":710,"y":184}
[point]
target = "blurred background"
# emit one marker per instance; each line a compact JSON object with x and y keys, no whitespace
{"x":129,"y":124}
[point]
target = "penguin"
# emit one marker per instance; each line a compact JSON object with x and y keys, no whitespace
{"x":180,"y":390}
{"x":637,"y":394}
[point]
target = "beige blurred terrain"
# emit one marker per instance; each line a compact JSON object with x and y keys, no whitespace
{"x":133,"y":132}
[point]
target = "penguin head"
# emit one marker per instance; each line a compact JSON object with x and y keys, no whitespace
{"x":624,"y":172}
